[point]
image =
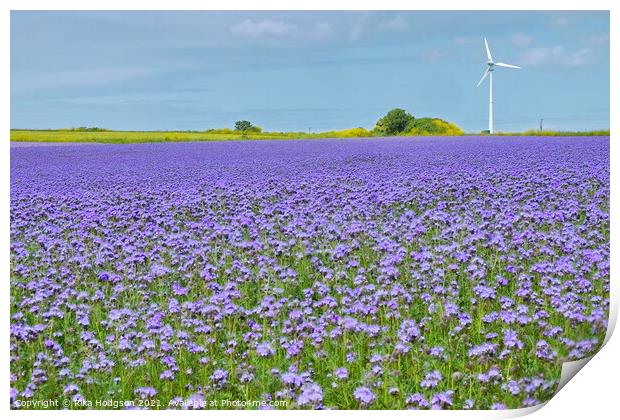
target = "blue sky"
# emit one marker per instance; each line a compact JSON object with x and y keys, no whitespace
{"x":294,"y":70}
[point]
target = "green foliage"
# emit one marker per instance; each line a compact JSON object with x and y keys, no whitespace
{"x":432,"y":127}
{"x":394,"y":122}
{"x":399,"y":122}
{"x":351,"y":132}
{"x":421,"y":125}
{"x":254,"y":129}
{"x":243,"y":125}
{"x":219,"y":131}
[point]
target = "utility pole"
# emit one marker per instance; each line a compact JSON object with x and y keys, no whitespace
{"x":541,"y":120}
{"x":309,"y":130}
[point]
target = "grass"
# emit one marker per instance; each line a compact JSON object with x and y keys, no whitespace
{"x":557,"y":133}
{"x":122,"y":137}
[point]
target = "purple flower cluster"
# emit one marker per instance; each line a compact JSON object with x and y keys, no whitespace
{"x":386,"y":273}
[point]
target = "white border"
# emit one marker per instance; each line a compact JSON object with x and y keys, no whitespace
{"x":592,"y":394}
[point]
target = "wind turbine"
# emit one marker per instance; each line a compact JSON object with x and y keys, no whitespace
{"x":489,"y":72}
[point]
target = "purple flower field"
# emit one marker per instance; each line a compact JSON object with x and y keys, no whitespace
{"x":443,"y":273}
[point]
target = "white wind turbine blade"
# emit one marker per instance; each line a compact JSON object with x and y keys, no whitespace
{"x":486,"y":44}
{"x":486,"y":72}
{"x":511,"y":66}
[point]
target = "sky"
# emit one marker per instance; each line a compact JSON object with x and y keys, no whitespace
{"x":300,"y":71}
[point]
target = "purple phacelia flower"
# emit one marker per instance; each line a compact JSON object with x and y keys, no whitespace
{"x":219,"y":378}
{"x":442,"y":400}
{"x":145,"y":392}
{"x":417,"y":401}
{"x":264,"y":349}
{"x":311,"y":394}
{"x":431,"y":379}
{"x":408,"y":331}
{"x":341,"y":373}
{"x":364,"y":396}
{"x":195,"y":402}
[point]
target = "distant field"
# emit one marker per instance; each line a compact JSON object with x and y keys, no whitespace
{"x":558,"y":133}
{"x":136,"y":136}
{"x":69,"y":136}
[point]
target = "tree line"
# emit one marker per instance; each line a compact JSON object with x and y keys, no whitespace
{"x":397,"y":122}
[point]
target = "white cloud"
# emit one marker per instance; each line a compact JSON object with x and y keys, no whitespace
{"x":261,"y":28}
{"x":521,"y":40}
{"x":556,"y":56}
{"x":268,"y":28}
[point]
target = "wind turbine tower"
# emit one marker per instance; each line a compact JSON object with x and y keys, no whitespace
{"x":489,"y":72}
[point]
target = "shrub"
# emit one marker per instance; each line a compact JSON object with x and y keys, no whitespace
{"x":432,"y":127}
{"x":394,"y":122}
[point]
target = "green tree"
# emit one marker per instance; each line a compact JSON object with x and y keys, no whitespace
{"x":394,"y":122}
{"x":243,"y":125}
